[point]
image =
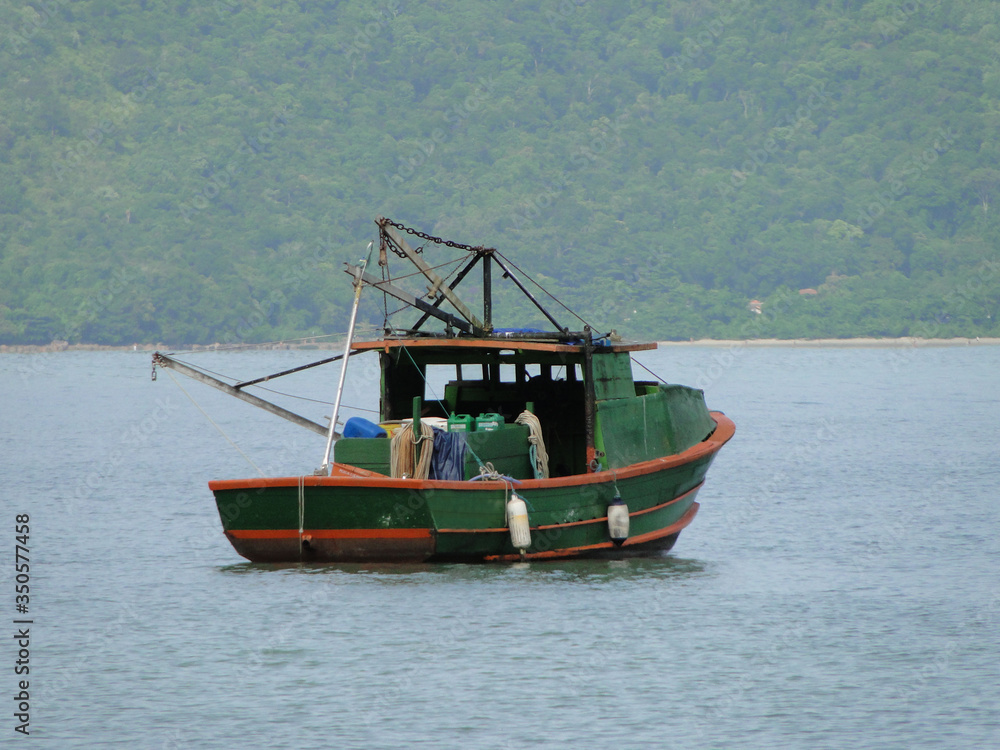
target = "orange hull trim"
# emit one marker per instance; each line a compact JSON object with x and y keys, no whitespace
{"x":332,"y":533}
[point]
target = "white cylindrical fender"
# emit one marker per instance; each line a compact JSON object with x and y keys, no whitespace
{"x":618,"y":520}
{"x":517,"y":522}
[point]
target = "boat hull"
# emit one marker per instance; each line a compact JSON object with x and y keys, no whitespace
{"x":355,"y":515}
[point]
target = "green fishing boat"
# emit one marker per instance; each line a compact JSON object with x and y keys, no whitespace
{"x":540,"y":445}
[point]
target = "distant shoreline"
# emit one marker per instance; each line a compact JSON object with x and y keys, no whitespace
{"x":906,"y":341}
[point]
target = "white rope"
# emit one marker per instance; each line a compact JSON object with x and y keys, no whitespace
{"x":302,"y":506}
{"x":487,"y":472}
{"x":535,"y":438}
{"x":249,"y":460}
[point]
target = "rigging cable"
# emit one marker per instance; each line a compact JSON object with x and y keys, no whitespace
{"x":658,"y":378}
{"x":221,"y":432}
{"x":222,"y":376}
{"x":554,"y":298}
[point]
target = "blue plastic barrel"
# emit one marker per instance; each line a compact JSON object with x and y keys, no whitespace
{"x":359,"y":427}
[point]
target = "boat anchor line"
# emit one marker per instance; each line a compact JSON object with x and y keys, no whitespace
{"x":302,"y":514}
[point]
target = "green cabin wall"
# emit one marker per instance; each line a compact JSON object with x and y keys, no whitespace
{"x":649,"y":426}
{"x":613,"y":376}
{"x":372,"y":454}
{"x":507,"y":449}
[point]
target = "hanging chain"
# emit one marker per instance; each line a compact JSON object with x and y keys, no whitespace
{"x":432,"y":238}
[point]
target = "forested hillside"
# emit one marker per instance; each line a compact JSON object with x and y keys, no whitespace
{"x":195,"y":172}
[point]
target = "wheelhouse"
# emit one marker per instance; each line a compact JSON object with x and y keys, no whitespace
{"x":591,"y":411}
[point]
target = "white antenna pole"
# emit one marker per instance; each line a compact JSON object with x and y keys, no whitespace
{"x":358,"y":285}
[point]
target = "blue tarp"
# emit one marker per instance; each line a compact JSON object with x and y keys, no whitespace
{"x":448,"y":461}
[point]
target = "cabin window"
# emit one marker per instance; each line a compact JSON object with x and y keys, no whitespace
{"x":573,"y":373}
{"x":438,"y":376}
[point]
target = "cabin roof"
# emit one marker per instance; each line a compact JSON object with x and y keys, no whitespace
{"x":466,"y":344}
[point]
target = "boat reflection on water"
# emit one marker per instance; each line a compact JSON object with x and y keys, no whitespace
{"x":592,"y":570}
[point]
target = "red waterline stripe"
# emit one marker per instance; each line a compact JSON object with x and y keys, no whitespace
{"x":332,"y":533}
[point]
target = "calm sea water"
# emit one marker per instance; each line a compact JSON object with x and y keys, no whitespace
{"x":839,"y":588}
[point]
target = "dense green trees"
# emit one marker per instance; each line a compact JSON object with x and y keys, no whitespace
{"x":198,"y":172}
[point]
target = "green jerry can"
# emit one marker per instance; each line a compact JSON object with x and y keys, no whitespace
{"x":489,"y":422}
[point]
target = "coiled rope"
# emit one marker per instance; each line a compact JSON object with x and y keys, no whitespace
{"x":539,"y":456}
{"x":402,"y":450}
